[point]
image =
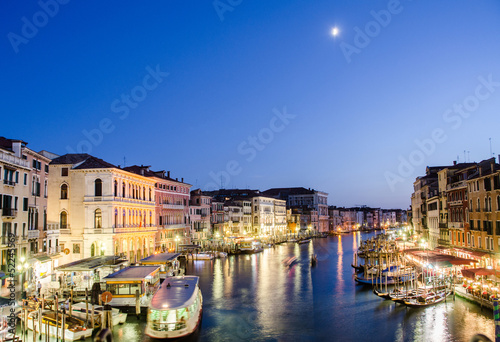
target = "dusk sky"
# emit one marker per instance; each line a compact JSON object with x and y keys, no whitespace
{"x":261,"y":89}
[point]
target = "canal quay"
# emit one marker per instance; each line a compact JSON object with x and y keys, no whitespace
{"x":256,"y":298}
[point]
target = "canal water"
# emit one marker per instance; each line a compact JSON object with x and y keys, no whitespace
{"x":255,"y":298}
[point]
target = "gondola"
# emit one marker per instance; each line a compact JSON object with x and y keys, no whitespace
{"x":427,"y":300}
{"x":314,"y":260}
{"x":381,"y":294}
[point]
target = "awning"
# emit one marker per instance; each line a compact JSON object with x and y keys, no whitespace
{"x":441,"y":264}
{"x":42,"y":258}
{"x":473,"y":272}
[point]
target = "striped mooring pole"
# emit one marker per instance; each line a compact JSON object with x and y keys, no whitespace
{"x":496,"y":314}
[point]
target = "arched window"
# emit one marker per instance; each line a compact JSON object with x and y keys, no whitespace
{"x":116,"y":188}
{"x":116,"y":218}
{"x":123,"y":190}
{"x":63,"y":220}
{"x":92,"y":250}
{"x":98,"y":187}
{"x":98,"y":218}
{"x":498,"y":202}
{"x":143,"y":194}
{"x":124,"y":218}
{"x":150,"y":194}
{"x":64,"y":191}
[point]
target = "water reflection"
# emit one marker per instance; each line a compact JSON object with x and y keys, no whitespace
{"x":254,"y":297}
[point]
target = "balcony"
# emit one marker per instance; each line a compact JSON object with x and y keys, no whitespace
{"x":13,"y":160}
{"x":173,"y":206}
{"x":54,"y":250}
{"x":456,"y":225}
{"x":9,"y":212}
{"x":456,"y":185}
{"x":173,"y":226}
{"x":9,"y":182}
{"x":33,"y":234}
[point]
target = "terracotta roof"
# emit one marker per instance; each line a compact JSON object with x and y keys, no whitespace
{"x":95,"y":163}
{"x":70,"y":158}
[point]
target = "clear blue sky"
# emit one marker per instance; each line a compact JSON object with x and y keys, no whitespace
{"x":354,"y":117}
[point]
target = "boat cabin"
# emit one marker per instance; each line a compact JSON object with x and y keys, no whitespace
{"x":168,"y":263}
{"x":125,"y":283}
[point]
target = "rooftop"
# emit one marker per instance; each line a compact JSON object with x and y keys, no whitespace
{"x":133,"y":272}
{"x":161,"y":257}
{"x":91,"y":263}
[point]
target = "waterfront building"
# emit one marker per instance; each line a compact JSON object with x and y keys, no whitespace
{"x":334,"y":218}
{"x":171,"y":208}
{"x":299,"y":196}
{"x":484,"y":208}
{"x":217,"y":218}
{"x":100,"y":209}
{"x":233,"y":219}
{"x":246,"y":206}
{"x":199,"y":213}
{"x":15,"y":193}
{"x":303,"y":220}
{"x":423,"y":187}
{"x":457,"y":202}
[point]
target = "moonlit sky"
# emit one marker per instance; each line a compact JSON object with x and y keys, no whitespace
{"x":353,"y":121}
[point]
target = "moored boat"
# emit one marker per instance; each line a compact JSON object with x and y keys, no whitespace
{"x":427,"y":299}
{"x":79,"y":310}
{"x":74,"y":328}
{"x":176,"y":308}
{"x":304,"y":241}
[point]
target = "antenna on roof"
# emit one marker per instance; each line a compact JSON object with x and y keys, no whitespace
{"x":468,"y":156}
{"x":124,"y":161}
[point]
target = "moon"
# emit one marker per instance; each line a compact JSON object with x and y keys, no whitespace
{"x":335,"y":31}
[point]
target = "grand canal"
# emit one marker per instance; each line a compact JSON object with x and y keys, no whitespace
{"x":254,"y":297}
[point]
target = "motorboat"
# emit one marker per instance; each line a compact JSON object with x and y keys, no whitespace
{"x":176,"y":308}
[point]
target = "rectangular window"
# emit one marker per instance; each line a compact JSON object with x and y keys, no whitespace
{"x":46,"y":168}
{"x":17,"y":177}
{"x":64,"y":172}
{"x":25,"y":204}
{"x":25,"y":179}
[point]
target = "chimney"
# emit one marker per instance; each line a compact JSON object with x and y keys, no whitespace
{"x":16,"y":148}
{"x":454,"y":162}
{"x":168,"y":174}
{"x":182,"y":180}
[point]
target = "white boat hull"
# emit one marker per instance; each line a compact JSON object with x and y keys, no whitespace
{"x":68,"y":334}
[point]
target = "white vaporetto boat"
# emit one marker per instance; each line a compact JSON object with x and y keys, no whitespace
{"x":176,"y":308}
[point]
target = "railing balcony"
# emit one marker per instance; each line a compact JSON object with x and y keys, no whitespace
{"x":9,"y":182}
{"x":172,"y":206}
{"x":456,"y":225}
{"x":33,"y":234}
{"x":455,"y":185}
{"x":9,"y":212}
{"x":54,"y":250}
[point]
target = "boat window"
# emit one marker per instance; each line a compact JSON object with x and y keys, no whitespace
{"x":134,"y":288}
